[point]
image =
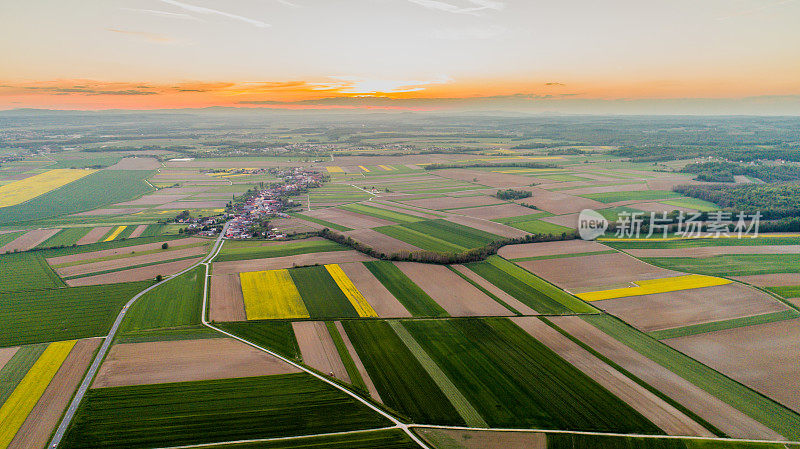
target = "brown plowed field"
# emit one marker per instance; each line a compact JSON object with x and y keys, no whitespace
{"x":45,"y":416}
{"x":665,"y":416}
{"x":115,"y":264}
{"x":137,"y":232}
{"x":94,"y":235}
{"x":450,"y":203}
{"x":764,"y":357}
{"x":227,"y":301}
{"x":498,"y":211}
{"x":381,"y":242}
{"x":275,"y":263}
{"x":771,"y":280}
{"x":119,"y":251}
{"x":185,"y":360}
{"x":721,"y":415}
{"x":485,"y":225}
{"x":695,"y":306}
{"x":483,"y":439}
{"x":153,"y":199}
{"x":6,"y":354}
{"x":709,"y":251}
{"x":485,"y":178}
{"x":318,"y":349}
{"x":136,"y":163}
{"x":560,"y":203}
{"x":29,"y":240}
{"x":493,"y":289}
{"x":348,"y":219}
{"x":568,"y":220}
{"x":457,"y":296}
{"x":381,"y":300}
{"x":605,"y":189}
{"x":550,"y":249}
{"x":135,"y":274}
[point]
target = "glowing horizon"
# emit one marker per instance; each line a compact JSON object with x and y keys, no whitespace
{"x":404,"y":54}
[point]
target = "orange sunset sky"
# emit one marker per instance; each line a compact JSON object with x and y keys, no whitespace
{"x":571,"y":55}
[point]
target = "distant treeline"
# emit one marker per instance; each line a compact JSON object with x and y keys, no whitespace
{"x":440,"y":166}
{"x":473,"y":255}
{"x":742,"y":153}
{"x":774,"y":201}
{"x":511,"y":194}
{"x":725,"y":171}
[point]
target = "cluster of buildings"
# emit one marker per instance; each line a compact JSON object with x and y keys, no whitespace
{"x":249,"y":217}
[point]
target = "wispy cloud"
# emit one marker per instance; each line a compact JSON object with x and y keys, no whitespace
{"x":149,"y":37}
{"x":166,"y":14}
{"x":368,"y":86}
{"x":209,"y":11}
{"x":473,"y":6}
{"x":761,"y":7}
{"x":459,"y":34}
{"x":288,"y":3}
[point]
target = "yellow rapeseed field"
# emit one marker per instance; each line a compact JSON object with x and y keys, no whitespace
{"x":15,"y":410}
{"x":29,"y":188}
{"x":386,"y":168}
{"x":349,"y":289}
{"x":651,"y":286}
{"x":271,"y":294}
{"x":364,"y":168}
{"x":334,"y":169}
{"x":115,"y":233}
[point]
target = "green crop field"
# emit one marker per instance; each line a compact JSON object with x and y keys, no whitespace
{"x":318,"y":221}
{"x":704,"y":328}
{"x":378,"y":212}
{"x":419,"y":239}
{"x":209,"y":411}
{"x":347,"y":360}
{"x":699,"y":243}
{"x":9,"y":237}
{"x":787,"y":292}
{"x":63,"y":313}
{"x":643,"y":195}
{"x":98,"y":189}
{"x":563,"y":256}
{"x":693,"y":203}
{"x":322,"y":296}
{"x":534,"y":215}
{"x":114,"y":244}
{"x":65,"y":237}
{"x":27,"y":271}
{"x":373,"y":439}
{"x":515,"y":381}
{"x":528,"y":288}
{"x":16,"y":368}
{"x":731,"y":264}
{"x":402,"y":382}
{"x":241,"y":250}
{"x":176,"y":303}
{"x":274,"y":335}
{"x":193,"y":332}
{"x":413,"y":298}
{"x":541,"y":227}
{"x":759,"y":407}
{"x":439,"y":235}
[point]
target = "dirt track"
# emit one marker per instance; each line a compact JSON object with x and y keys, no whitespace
{"x":721,"y":415}
{"x":185,"y":360}
{"x":665,"y":416}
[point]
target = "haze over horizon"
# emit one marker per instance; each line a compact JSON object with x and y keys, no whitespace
{"x":709,"y":57}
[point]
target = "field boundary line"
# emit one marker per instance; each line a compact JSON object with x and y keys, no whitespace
{"x":267,"y":440}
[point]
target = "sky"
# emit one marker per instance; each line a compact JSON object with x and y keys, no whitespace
{"x":585,"y":56}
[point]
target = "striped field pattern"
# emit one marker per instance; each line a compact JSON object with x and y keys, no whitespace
{"x":334,"y":169}
{"x":114,"y":234}
{"x":15,"y":410}
{"x":349,"y":289}
{"x":271,"y":294}
{"x":25,"y":189}
{"x":364,"y":168}
{"x":651,"y":286}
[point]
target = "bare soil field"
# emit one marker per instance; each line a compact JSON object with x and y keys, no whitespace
{"x":296,"y":225}
{"x":560,"y":203}
{"x":595,"y":272}
{"x":110,"y":211}
{"x":182,"y":190}
{"x":227,"y":300}
{"x":6,"y":354}
{"x":373,"y":392}
{"x":667,"y":183}
{"x":194,"y":205}
{"x":724,"y":417}
{"x":119,"y":251}
{"x":185,"y":360}
{"x":381,"y":242}
{"x":136,"y":163}
{"x":550,"y":248}
{"x":275,"y":263}
{"x":567,"y":220}
{"x":493,"y":289}
{"x":498,"y":211}
{"x":391,"y":206}
{"x":763,"y":357}
{"x":485,"y":178}
{"x":135,"y":274}
{"x":318,"y":350}
{"x":472,"y":192}
{"x":606,"y":189}
{"x":153,"y":199}
{"x":46,"y":414}
{"x":771,"y":280}
{"x":29,"y":240}
{"x":115,"y":264}
{"x":483,"y":439}
{"x":686,"y":307}
{"x":381,"y":300}
{"x":94,"y":235}
{"x":350,"y":219}
{"x":450,"y":202}
{"x":457,"y":296}
{"x":660,"y":413}
{"x":138,"y":231}
{"x":486,"y":225}
{"x":709,"y":251}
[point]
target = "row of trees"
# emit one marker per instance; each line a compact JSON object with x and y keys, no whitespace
{"x":725,"y":171}
{"x":511,"y":194}
{"x":439,"y":166}
{"x":774,"y":201}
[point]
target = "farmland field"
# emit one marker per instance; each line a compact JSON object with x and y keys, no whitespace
{"x":64,"y":313}
{"x":174,"y":304}
{"x":65,"y":237}
{"x":219,"y":410}
{"x":322,"y":297}
{"x":731,"y":265}
{"x":652,"y":286}
{"x":243,"y":250}
{"x":271,"y":294}
{"x":413,"y":298}
{"x":504,"y":372}
{"x":402,"y":382}
{"x":28,"y":188}
{"x":378,"y":212}
{"x":347,"y":287}
{"x":641,"y":195}
{"x":383,"y":439}
{"x":439,"y":235}
{"x":26,"y":271}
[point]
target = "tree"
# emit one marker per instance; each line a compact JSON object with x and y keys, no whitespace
{"x":159,"y":278}
{"x":164,"y":245}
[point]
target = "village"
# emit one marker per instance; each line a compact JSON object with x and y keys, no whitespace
{"x":248,"y":215}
